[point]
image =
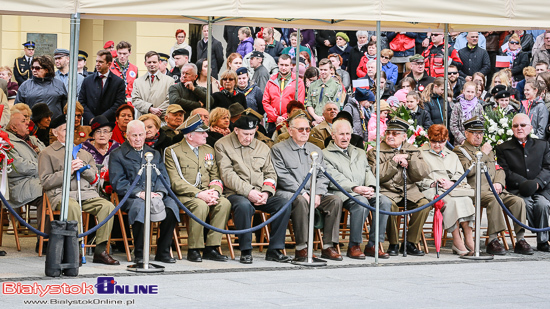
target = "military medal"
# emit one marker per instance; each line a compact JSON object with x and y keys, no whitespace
{"x":209,"y":160}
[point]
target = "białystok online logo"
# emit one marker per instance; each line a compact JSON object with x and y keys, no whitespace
{"x":104,"y":285}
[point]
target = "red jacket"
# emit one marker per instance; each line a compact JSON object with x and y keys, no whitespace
{"x":275,"y":102}
{"x":131,"y":75}
{"x":434,"y":62}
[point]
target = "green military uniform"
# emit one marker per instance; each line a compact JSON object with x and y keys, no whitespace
{"x":321,"y":93}
{"x":189,"y":175}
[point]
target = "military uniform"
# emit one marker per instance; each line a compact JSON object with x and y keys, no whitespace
{"x":22,"y":66}
{"x":321,"y":93}
{"x":322,"y":131}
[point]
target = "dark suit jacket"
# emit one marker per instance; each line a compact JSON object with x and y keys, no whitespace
{"x":217,"y":55}
{"x":529,"y":163}
{"x":22,"y":70}
{"x":124,"y":165}
{"x":101,"y":101}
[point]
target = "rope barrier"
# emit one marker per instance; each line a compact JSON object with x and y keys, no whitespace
{"x":507,"y":211}
{"x":398,"y":213}
{"x":235,"y":232}
{"x":90,"y":231}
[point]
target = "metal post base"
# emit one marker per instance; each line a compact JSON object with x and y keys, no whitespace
{"x":481,"y":256}
{"x":315,"y":262}
{"x":140,"y":268}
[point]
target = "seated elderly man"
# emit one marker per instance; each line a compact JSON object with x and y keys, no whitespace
{"x":250,"y":179}
{"x":173,"y":119}
{"x":50,"y":168}
{"x":349,"y":166}
{"x":124,"y":164}
{"x":396,"y":155}
{"x":324,"y":129}
{"x":526,"y":162}
{"x":474,"y":130}
{"x":292,"y":162}
{"x":196,"y":181}
{"x":187,"y":93}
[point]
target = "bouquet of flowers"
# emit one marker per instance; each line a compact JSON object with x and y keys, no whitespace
{"x":6,"y":158}
{"x":416,"y":135}
{"x":498,"y":127}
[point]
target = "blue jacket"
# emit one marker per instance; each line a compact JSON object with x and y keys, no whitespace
{"x":391,"y":72}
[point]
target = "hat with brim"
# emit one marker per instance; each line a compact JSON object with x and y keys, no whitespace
{"x":158,"y":210}
{"x":100,"y":122}
{"x":192,"y":124}
{"x":474,"y":124}
{"x":416,"y":58}
{"x":249,"y":111}
{"x":29,"y":45}
{"x":40,"y":111}
{"x":498,"y":88}
{"x":58,"y":121}
{"x":163,"y":57}
{"x":174,"y":108}
{"x":60,"y":52}
{"x":246,"y":122}
{"x":345,"y":116}
{"x":82,"y":55}
{"x":384,"y":106}
{"x":397,"y":124}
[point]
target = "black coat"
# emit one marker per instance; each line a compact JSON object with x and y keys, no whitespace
{"x":217,"y":55}
{"x":231,"y":36}
{"x":322,"y":49}
{"x":224,"y":99}
{"x":162,"y":142}
{"x":124,"y":164}
{"x":474,"y":60}
{"x":422,"y":118}
{"x":436,"y":109}
{"x":344,"y":53}
{"x":274,"y":49}
{"x":521,"y":61}
{"x":98,"y":100}
{"x":354,"y":60}
{"x":529,"y":163}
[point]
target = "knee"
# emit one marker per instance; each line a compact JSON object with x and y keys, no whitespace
{"x":243,"y":205}
{"x":385,"y":203}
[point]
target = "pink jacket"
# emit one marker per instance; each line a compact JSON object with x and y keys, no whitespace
{"x":372,"y":127}
{"x":275,"y":102}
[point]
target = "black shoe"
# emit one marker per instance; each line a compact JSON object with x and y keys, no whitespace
{"x":165,"y":259}
{"x":138,"y":260}
{"x":276,"y":255}
{"x":496,"y":248}
{"x":2,"y":253}
{"x":543,"y":246}
{"x":392,"y":250}
{"x":44,"y":247}
{"x":194,"y":255}
{"x":411,"y":249}
{"x":246,"y":259}
{"x":213,"y":255}
{"x":522,"y":247}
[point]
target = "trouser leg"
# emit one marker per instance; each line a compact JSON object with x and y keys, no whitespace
{"x":300,"y":220}
{"x":101,"y":208}
{"x":537,"y":208}
{"x":516,"y":205}
{"x":278,"y":226}
{"x":243,"y":211}
{"x":358,"y":214}
{"x":391,"y":230}
{"x":166,"y":233}
{"x":385,"y":205}
{"x":196,"y":231}
{"x":495,"y":219}
{"x":219,"y":214}
{"x":416,"y":223}
{"x":137,"y":229}
{"x":331,"y":207}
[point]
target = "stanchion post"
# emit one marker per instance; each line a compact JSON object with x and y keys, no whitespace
{"x":145,"y":266}
{"x":311,"y":261}
{"x":477,"y":255}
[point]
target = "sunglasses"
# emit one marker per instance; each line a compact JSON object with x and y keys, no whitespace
{"x":228,"y":79}
{"x":36,"y":68}
{"x":513,"y":42}
{"x":385,"y":57}
{"x":452,"y":73}
{"x":478,"y":133}
{"x":523,"y":125}
{"x":437,"y":34}
{"x":301,"y":130}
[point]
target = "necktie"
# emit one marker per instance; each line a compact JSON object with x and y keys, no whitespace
{"x":101,"y":77}
{"x":152,"y":78}
{"x":346,"y":152}
{"x":321,"y":95}
{"x":282,"y":84}
{"x":523,"y":144}
{"x":196,"y":151}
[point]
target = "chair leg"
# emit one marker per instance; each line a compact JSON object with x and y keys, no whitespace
{"x":2,"y":210}
{"x":124,"y":236}
{"x":15,"y":232}
{"x":230,"y":245}
{"x":178,"y":249}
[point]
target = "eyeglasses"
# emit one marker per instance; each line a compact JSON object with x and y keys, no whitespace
{"x":514,"y":42}
{"x":228,"y":79}
{"x":477,"y":133}
{"x":452,"y":73}
{"x":301,"y":130}
{"x":78,"y":115}
{"x":394,"y":133}
{"x":103,"y":132}
{"x":438,"y":142}
{"x":437,"y":34}
{"x":523,"y":125}
{"x":36,"y":68}
{"x":385,"y":57}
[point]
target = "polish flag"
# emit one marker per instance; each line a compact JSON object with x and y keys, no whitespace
{"x":503,"y":62}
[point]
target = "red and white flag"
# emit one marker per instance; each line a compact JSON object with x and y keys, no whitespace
{"x":503,"y":62}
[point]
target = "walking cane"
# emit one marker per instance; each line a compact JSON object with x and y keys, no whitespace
{"x":405,"y":216}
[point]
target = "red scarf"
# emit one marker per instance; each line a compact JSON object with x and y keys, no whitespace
{"x":118,"y":135}
{"x":152,"y":141}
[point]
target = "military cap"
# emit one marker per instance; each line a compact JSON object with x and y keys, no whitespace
{"x":163,"y":57}
{"x":246,"y":122}
{"x":256,"y":54}
{"x":174,"y":108}
{"x":397,"y":124}
{"x":235,"y":109}
{"x":502,"y":94}
{"x":29,"y":45}
{"x":192,"y":124}
{"x":82,"y":55}
{"x":498,"y":88}
{"x":58,"y":121}
{"x":180,"y":52}
{"x":61,"y":52}
{"x":241,"y":71}
{"x":416,"y":58}
{"x":249,"y":111}
{"x":474,"y":124}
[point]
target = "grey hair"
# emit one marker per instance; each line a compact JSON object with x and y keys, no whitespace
{"x":291,"y":123}
{"x":362,"y":33}
{"x":14,"y":111}
{"x":371,"y":61}
{"x":192,"y":65}
{"x":337,"y":123}
{"x":135,"y":124}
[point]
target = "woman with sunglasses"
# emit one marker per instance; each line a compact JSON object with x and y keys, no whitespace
{"x":519,"y":59}
{"x":43,"y":87}
{"x":228,"y":94}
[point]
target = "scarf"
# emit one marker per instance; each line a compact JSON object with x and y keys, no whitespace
{"x":26,"y":139}
{"x":342,"y":48}
{"x":178,"y":46}
{"x":118,"y":135}
{"x":151,"y":142}
{"x":223,"y":132}
{"x":467,"y":106}
{"x":513,"y":54}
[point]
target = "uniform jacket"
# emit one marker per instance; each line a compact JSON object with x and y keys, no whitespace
{"x":244,"y":169}
{"x":348,"y":171}
{"x":50,"y":168}
{"x":98,"y":100}
{"x":23,"y":181}
{"x":128,"y":78}
{"x":497,"y":175}
{"x":146,"y":95}
{"x":22,"y":70}
{"x":184,"y":168}
{"x":124,"y":164}
{"x":47,"y":90}
{"x":322,"y":130}
{"x":217,"y":54}
{"x":529,"y":163}
{"x":275,"y":102}
{"x":321,"y":93}
{"x":391,"y":174}
{"x":292,"y":164}
{"x":187,"y":99}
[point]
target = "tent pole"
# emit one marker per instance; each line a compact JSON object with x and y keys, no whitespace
{"x":297,"y":65}
{"x":69,"y":138}
{"x":209,"y":61}
{"x":446,"y":59}
{"x":377,"y":220}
